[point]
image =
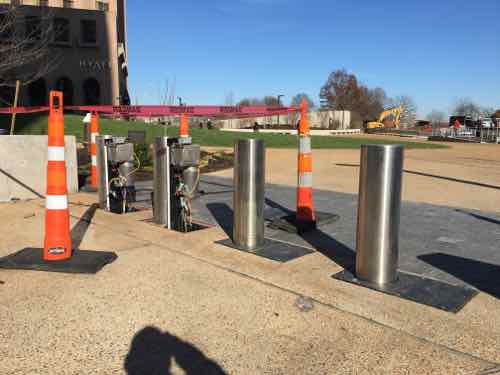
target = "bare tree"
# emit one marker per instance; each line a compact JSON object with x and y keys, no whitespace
{"x":297,"y":99}
{"x":487,"y":112}
{"x":294,"y":117}
{"x":342,"y":91}
{"x":251,"y":102}
{"x":24,"y":45}
{"x":163,"y":94}
{"x":272,"y":101}
{"x":467,"y":107}
{"x":167,"y":95}
{"x":436,"y":118}
{"x":409,"y":114}
{"x":229,"y":99}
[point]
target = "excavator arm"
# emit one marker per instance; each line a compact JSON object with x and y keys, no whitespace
{"x":396,"y":112}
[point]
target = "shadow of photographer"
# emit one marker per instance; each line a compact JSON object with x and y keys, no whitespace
{"x":152,"y":352}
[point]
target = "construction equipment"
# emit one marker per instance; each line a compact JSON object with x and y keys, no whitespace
{"x":395,"y":112}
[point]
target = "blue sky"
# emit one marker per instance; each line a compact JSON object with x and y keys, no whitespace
{"x":435,"y":51}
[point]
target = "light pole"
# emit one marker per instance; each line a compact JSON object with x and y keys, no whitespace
{"x":279,"y":105}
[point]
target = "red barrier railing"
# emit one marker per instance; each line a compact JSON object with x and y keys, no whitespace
{"x":21,"y":110}
{"x":168,"y":110}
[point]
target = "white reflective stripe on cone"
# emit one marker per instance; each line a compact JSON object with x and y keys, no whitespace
{"x":56,"y":202}
{"x":93,"y":137}
{"x":305,"y":145}
{"x":56,"y":153}
{"x":94,"y":160}
{"x":306,"y":179}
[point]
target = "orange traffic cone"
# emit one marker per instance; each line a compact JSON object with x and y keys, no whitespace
{"x":94,"y":133}
{"x":184,"y":137}
{"x":305,"y":217}
{"x":57,"y":244}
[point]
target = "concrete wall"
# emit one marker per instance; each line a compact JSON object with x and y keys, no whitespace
{"x":23,"y":166}
{"x":324,"y":132}
{"x":317,"y":119}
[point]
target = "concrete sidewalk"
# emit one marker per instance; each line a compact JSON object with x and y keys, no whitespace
{"x":179,"y":303}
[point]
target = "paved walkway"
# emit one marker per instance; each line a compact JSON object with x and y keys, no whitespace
{"x":176,"y":301}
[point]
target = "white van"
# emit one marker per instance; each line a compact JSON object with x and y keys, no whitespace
{"x":487,"y":123}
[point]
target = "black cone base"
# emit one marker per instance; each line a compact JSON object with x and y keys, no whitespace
{"x":82,"y":261}
{"x":291,"y":225}
{"x":416,"y":288}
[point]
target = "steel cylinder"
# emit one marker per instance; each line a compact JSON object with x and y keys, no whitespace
{"x":248,"y":197}
{"x":161,"y":182}
{"x":102,"y":171}
{"x":377,"y":238}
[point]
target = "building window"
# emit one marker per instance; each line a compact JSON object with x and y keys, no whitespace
{"x":43,"y":3}
{"x":91,"y":91}
{"x":61,"y":30}
{"x":33,"y":28}
{"x":101,"y":5}
{"x":89,"y":31}
{"x":37,"y":92}
{"x":68,"y":3}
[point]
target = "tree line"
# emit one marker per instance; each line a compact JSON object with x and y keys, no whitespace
{"x":343,"y":91}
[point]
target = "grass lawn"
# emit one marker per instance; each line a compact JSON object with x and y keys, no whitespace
{"x":37,"y":124}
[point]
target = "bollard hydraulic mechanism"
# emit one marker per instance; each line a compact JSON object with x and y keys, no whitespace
{"x":116,"y":163}
{"x":176,"y":180}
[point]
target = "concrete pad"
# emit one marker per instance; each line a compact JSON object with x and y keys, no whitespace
{"x":243,"y":325}
{"x":225,"y":306}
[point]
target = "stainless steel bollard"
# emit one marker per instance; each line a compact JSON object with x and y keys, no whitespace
{"x":161,"y":183}
{"x":248,"y":197}
{"x":377,"y":237}
{"x":102,"y":172}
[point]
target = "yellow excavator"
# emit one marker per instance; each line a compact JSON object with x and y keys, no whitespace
{"x":396,"y":112}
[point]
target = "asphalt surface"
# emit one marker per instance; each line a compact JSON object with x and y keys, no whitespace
{"x":458,"y":246}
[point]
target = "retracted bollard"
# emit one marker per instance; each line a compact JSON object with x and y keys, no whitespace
{"x":161,"y":189}
{"x":248,"y":198}
{"x":377,"y":238}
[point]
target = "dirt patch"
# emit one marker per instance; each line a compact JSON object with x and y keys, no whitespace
{"x":464,"y":175}
{"x":213,"y":161}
